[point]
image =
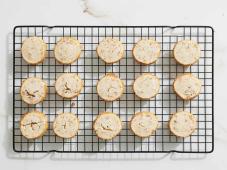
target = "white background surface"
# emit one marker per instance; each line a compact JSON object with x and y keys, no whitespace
{"x":114,"y":12}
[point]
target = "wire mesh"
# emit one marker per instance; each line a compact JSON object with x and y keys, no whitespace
{"x":88,"y":105}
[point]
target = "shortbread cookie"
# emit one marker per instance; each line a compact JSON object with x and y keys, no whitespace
{"x":186,"y":52}
{"x":107,"y":125}
{"x":146,"y":51}
{"x":110,"y":87}
{"x":187,"y":86}
{"x":34,"y":50}
{"x":67,"y":50}
{"x":69,"y":85}
{"x":33,"y":124}
{"x":110,"y":50}
{"x":146,"y":86}
{"x":182,"y":124}
{"x":144,"y":124}
{"x":66,"y":125}
{"x":33,"y":90}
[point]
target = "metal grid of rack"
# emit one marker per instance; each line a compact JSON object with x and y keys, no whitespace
{"x":87,"y":105}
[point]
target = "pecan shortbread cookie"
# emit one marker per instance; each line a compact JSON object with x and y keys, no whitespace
{"x":33,"y":124}
{"x":34,"y":50}
{"x":107,"y":125}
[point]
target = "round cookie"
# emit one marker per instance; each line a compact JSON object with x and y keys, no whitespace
{"x":144,"y":124}
{"x":186,"y":52}
{"x":33,"y":124}
{"x":66,"y":125}
{"x":33,"y":90}
{"x":67,"y":50}
{"x":110,"y":50}
{"x":33,"y":50}
{"x":146,"y":86}
{"x":110,"y":87}
{"x":187,"y":86}
{"x":182,"y":124}
{"x":146,"y":51}
{"x":107,"y":125}
{"x":69,"y":85}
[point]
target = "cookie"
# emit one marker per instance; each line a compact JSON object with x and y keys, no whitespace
{"x":66,"y":125}
{"x":146,"y":86}
{"x":144,"y":124}
{"x":107,"y":125}
{"x":69,"y":85}
{"x":182,"y":124}
{"x":146,"y":51}
{"x":33,"y":90}
{"x":33,"y":50}
{"x":67,"y":50}
{"x":186,"y":52}
{"x":110,"y":87}
{"x":110,"y":50}
{"x":187,"y":86}
{"x":33,"y":124}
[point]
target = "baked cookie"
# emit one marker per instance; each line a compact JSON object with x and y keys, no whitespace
{"x":110,"y":87}
{"x":186,"y":52}
{"x":187,"y":86}
{"x":69,"y":85}
{"x":146,"y":51}
{"x":107,"y":125}
{"x":146,"y":86}
{"x":110,"y":50}
{"x":67,"y":50}
{"x":33,"y":50}
{"x":66,"y":125}
{"x":144,"y":124}
{"x":33,"y":124}
{"x":182,"y":124}
{"x":33,"y":90}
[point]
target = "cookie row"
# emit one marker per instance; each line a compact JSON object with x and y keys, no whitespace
{"x":107,"y":125}
{"x":110,"y":50}
{"x":109,"y":88}
{"x":34,"y":90}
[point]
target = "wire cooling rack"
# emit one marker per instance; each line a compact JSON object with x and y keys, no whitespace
{"x":88,"y":104}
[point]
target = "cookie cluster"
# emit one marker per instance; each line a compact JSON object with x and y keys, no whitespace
{"x":109,"y":88}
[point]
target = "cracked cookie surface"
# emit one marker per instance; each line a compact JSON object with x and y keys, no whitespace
{"x":33,"y":50}
{"x":146,"y":86}
{"x":33,"y":124}
{"x":67,"y":50}
{"x":144,"y":124}
{"x":110,"y":50}
{"x":107,"y":125}
{"x":69,"y":85}
{"x":182,"y":124}
{"x":33,"y":90}
{"x":66,"y":125}
{"x":187,"y":86}
{"x":146,"y":51}
{"x":110,"y":87}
